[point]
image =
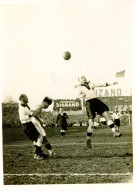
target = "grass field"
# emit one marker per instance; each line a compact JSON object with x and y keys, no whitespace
{"x":110,"y":160}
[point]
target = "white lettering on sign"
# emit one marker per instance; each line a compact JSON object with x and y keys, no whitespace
{"x":108,"y":92}
{"x":67,"y":104}
{"x":118,"y":92}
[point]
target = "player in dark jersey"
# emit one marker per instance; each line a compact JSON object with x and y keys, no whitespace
{"x":62,"y":122}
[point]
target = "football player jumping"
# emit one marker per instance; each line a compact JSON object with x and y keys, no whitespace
{"x":93,"y":105}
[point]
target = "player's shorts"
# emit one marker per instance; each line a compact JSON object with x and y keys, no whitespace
{"x":95,"y":105}
{"x":117,"y":122}
{"x":103,"y":122}
{"x":63,"y":126}
{"x":30,"y":130}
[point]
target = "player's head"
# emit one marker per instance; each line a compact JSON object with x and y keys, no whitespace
{"x":23,"y":98}
{"x":46,"y":102}
{"x":82,"y":79}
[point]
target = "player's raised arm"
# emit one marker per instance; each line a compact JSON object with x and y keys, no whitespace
{"x":95,"y":85}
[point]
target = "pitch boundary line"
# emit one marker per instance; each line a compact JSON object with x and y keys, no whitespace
{"x":69,"y":174}
{"x":67,"y":144}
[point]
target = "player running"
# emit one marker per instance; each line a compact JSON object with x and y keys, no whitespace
{"x":93,"y":104}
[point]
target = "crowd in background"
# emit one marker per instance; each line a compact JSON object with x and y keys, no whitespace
{"x":10,"y":118}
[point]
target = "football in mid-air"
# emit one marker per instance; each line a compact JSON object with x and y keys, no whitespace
{"x":67,"y":55}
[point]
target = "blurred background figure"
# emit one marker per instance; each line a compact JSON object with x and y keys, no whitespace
{"x":62,"y":122}
{"x":103,"y":122}
{"x":116,"y":118}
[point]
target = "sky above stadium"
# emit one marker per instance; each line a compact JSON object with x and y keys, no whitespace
{"x":34,"y":36}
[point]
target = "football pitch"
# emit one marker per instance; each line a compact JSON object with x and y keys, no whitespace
{"x":110,"y":160}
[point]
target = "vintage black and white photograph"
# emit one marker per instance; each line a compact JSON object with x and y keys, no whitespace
{"x":67,"y":74}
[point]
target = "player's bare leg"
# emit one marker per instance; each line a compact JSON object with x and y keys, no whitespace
{"x":63,"y":132}
{"x":89,"y":132}
{"x":110,"y":123}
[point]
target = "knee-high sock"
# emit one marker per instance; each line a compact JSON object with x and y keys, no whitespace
{"x":38,"y":150}
{"x":46,"y":143}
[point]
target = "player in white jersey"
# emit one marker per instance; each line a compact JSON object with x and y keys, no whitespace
{"x":38,"y":122}
{"x":28,"y":127}
{"x":116,"y":118}
{"x":93,"y":105}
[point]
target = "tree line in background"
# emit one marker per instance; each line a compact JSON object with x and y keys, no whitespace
{"x":10,"y":117}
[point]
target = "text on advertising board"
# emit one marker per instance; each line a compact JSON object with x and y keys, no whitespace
{"x":108,"y":92}
{"x":67,"y":103}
